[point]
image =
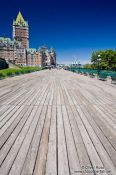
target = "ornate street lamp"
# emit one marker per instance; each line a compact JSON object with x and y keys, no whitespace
{"x":79,"y":65}
{"x":71,"y":66}
{"x":99,"y":60}
{"x":76,"y":63}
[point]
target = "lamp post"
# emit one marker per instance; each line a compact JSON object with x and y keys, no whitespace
{"x":76,"y":62}
{"x":73,"y":64}
{"x":26,"y":53}
{"x":71,"y":67}
{"x":79,"y":66}
{"x":99,"y":60}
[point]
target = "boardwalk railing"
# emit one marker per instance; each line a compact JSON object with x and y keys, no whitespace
{"x":101,"y":74}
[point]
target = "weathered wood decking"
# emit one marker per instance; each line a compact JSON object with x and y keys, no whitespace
{"x":57,"y":123}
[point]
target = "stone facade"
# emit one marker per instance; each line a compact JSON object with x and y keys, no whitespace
{"x":47,"y":56}
{"x":32,"y":59}
{"x":53,"y":56}
{"x":21,"y":57}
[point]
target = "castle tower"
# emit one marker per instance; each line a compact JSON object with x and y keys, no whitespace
{"x":21,"y":31}
{"x":53,"y":56}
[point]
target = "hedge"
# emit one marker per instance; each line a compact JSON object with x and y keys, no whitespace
{"x":13,"y":72}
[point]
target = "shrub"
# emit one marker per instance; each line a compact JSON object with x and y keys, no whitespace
{"x":9,"y":74}
{"x":12,"y":72}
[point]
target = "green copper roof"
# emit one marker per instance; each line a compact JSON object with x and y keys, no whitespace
{"x":31,"y":50}
{"x":3,"y":39}
{"x":20,"y":20}
{"x":7,"y":42}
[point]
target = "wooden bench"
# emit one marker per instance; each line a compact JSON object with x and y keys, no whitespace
{"x":113,"y":79}
{"x":102,"y":77}
{"x":92,"y":75}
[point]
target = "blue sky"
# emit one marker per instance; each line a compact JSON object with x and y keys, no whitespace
{"x":75,"y":28}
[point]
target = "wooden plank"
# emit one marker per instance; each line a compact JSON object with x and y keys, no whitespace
{"x":39,"y":100}
{"x":7,"y":164}
{"x":43,"y":149}
{"x":107,"y":121}
{"x":6,"y":113}
{"x":3,"y":109}
{"x":71,"y":148}
{"x":105,"y":142}
{"x":19,"y":161}
{"x":107,"y":163}
{"x":10,"y":117}
{"x":51,"y":165}
{"x":83,"y":157}
{"x":103,"y":126}
{"x":81,"y":149}
{"x":12,"y":127}
{"x":30,"y":160}
{"x":29,"y":164}
{"x":15,"y":96}
{"x":6,"y":141}
{"x":95,"y":160}
{"x":63,"y":162}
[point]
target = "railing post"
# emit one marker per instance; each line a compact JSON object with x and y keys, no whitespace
{"x":109,"y":80}
{"x":96,"y":76}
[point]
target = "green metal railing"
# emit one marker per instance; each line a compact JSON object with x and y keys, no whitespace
{"x":102,"y":73}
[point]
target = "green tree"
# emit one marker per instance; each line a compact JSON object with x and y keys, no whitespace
{"x":88,"y":66}
{"x":108,"y":59}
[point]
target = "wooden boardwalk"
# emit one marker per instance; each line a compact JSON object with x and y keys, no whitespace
{"x":57,"y":123}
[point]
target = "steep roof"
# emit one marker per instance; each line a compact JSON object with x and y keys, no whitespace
{"x":20,"y":20}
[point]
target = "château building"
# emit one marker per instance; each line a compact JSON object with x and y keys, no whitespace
{"x":8,"y":49}
{"x":32,"y":56}
{"x":48,"y":57}
{"x":17,"y":51}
